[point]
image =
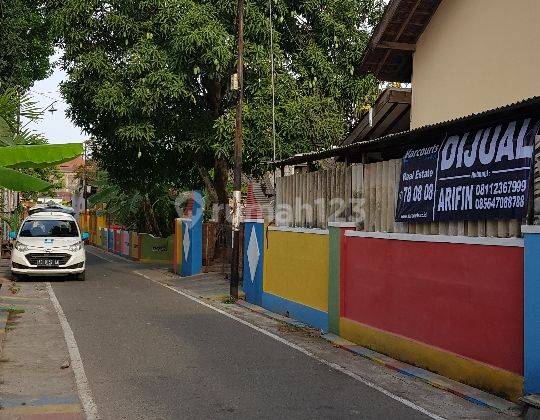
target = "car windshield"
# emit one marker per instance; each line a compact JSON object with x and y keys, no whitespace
{"x":49,"y":228}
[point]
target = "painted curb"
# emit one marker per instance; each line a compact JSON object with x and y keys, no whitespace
{"x":4,"y":315}
{"x":269,"y":314}
{"x":123,"y":257}
{"x":458,"y":389}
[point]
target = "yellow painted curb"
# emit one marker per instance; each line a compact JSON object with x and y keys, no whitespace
{"x":477,"y":374}
{"x":43,"y":409}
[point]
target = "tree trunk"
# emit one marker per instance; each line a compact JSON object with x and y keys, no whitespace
{"x":208,"y":183}
{"x":150,"y":217}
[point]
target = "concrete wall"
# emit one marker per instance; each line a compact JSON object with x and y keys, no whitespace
{"x":296,"y":274}
{"x":156,"y":250}
{"x":453,"y":308}
{"x":143,"y":247}
{"x":177,"y":248}
{"x":454,"y":305}
{"x":125,"y":246}
{"x":475,"y":55}
{"x":135,"y":248}
{"x":92,"y":223}
{"x":532,"y":310}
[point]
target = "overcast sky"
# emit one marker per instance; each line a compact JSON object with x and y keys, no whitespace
{"x":56,"y":127}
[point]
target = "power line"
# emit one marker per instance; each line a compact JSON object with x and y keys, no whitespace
{"x":273,"y":82}
{"x":44,"y":95}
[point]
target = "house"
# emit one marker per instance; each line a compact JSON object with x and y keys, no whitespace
{"x":422,"y":244}
{"x":70,"y":183}
{"x":462,"y":57}
{"x":391,"y":113}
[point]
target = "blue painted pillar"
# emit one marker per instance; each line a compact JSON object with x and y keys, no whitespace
{"x":110,"y":240}
{"x":531,"y":292}
{"x":192,"y":238}
{"x":253,"y":260}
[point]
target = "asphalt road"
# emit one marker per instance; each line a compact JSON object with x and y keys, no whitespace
{"x":150,"y":353}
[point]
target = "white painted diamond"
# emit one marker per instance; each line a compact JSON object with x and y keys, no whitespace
{"x":253,"y":254}
{"x":186,"y":242}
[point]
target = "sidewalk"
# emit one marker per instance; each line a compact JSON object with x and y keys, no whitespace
{"x":36,"y":379}
{"x":447,"y":398}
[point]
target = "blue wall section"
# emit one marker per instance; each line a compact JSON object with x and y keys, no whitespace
{"x":192,"y":232}
{"x":104,"y":239}
{"x":253,"y":276}
{"x":312,"y":317}
{"x":532,"y":314}
{"x":110,"y":240}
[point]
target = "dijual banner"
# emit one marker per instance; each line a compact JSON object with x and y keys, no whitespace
{"x":477,"y":175}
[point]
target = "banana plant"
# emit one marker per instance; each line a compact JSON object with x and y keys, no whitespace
{"x":21,"y":148}
{"x":34,"y":156}
{"x":14,"y":219}
{"x":13,"y":130}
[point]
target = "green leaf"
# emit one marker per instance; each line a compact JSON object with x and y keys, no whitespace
{"x":39,"y":156}
{"x":17,"y":181}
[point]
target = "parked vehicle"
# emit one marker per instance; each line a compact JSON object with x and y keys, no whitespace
{"x":49,"y":243}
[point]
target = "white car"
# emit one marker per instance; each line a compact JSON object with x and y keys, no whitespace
{"x":49,"y":244}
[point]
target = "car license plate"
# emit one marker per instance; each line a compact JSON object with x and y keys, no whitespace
{"x":47,"y":262}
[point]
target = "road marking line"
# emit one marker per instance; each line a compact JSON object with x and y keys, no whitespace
{"x":282,"y":340}
{"x":83,"y":387}
{"x":100,"y":256}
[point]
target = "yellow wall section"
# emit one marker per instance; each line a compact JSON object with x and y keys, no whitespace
{"x":479,"y":375}
{"x":296,"y":267}
{"x":178,"y":241}
{"x":475,"y":55}
{"x":101,"y":222}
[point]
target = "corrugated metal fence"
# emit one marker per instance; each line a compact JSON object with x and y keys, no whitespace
{"x":367,"y":195}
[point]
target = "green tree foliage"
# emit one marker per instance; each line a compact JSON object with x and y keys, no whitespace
{"x":150,"y":80}
{"x":145,"y":211}
{"x":26,"y":42}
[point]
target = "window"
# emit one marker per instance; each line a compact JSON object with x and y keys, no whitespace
{"x":49,"y":228}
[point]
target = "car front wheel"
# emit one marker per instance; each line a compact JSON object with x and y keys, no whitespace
{"x":81,"y":276}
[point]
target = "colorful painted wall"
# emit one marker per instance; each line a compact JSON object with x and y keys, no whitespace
{"x":92,"y":223}
{"x":135,"y":246}
{"x":177,"y":247}
{"x":296,"y":274}
{"x":442,"y":306}
{"x":156,"y":250}
{"x":531,"y":327}
{"x":183,"y":249}
{"x":452,"y":305}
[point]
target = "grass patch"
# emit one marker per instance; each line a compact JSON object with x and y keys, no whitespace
{"x":12,"y":309}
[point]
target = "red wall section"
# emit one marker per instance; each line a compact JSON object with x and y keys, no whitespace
{"x":466,"y":299}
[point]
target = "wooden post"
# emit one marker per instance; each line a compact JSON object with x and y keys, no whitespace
{"x":384,"y":196}
{"x":391,"y":196}
{"x":372,"y":197}
{"x":491,"y":228}
{"x":348,"y":192}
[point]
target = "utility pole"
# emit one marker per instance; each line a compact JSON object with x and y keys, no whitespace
{"x":237,"y":188}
